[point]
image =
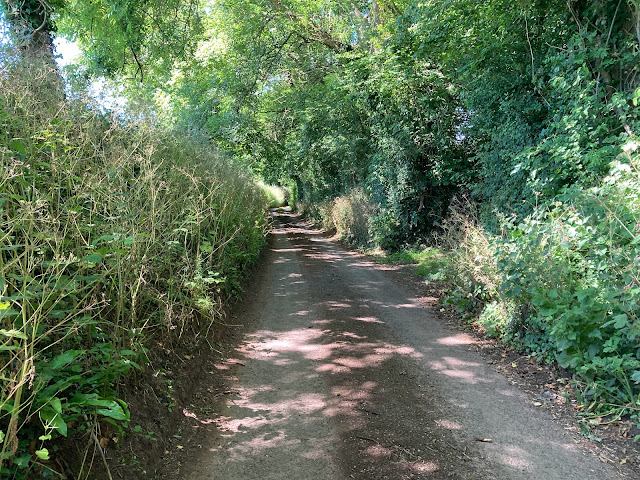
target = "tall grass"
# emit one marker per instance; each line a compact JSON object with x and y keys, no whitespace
{"x":110,"y":233}
{"x":348,"y":215}
{"x":276,"y":195}
{"x":473,"y":266}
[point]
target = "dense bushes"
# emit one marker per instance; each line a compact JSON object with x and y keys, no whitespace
{"x":549,"y":264}
{"x":400,"y":144}
{"x":575,"y":271}
{"x":564,"y":283}
{"x":112,"y":232}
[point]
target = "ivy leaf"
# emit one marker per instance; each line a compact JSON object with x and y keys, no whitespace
{"x":22,"y":461}
{"x":43,"y":454}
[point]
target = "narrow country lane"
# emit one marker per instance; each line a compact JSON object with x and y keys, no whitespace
{"x":346,"y":375}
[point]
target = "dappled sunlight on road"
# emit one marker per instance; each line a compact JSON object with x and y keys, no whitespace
{"x":459,"y":339}
{"x":448,"y":424}
{"x":369,"y":320}
{"x":515,"y":457}
{"x":459,"y":369}
{"x":309,"y":344}
{"x":345,"y":361}
{"x":352,"y":351}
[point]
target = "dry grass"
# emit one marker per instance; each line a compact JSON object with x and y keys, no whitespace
{"x":111,"y":232}
{"x":472,"y":262}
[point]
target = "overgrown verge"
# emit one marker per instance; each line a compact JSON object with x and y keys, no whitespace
{"x":562,"y":285}
{"x":276,"y":196}
{"x":349,"y":216}
{"x":112,"y":233}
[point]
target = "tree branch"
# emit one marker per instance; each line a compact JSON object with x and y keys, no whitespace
{"x":318,"y":34}
{"x":137,"y":63}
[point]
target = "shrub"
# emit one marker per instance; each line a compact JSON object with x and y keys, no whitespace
{"x":324,"y":213}
{"x":573,"y":268}
{"x":349,"y":216}
{"x":496,"y":318}
{"x":563,"y":283}
{"x":472,"y":271}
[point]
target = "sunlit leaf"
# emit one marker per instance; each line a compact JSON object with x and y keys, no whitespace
{"x":42,"y":454}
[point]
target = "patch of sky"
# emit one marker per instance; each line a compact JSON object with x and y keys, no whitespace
{"x":107,"y":98}
{"x":104,"y":96}
{"x":5,"y":38}
{"x":66,"y":52}
{"x":4,"y":29}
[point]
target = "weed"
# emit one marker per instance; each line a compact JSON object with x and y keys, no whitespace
{"x":563,"y":284}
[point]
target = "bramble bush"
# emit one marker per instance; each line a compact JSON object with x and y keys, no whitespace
{"x":575,"y":269}
{"x":112,"y":232}
{"x":563,"y":283}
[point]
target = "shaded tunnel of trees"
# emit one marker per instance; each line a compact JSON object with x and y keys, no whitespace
{"x":504,"y":131}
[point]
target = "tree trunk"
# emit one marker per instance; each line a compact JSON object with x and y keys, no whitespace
{"x":31,"y":32}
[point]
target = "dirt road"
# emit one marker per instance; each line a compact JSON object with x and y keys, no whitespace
{"x":345,"y":375}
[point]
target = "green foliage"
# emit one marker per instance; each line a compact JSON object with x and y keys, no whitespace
{"x":111,"y":234}
{"x":376,"y":117}
{"x":546,"y":88}
{"x":524,"y":107}
{"x":564,"y":283}
{"x":496,"y":319}
{"x":574,"y":272}
{"x":429,"y":262}
{"x":134,"y":37}
{"x":29,"y":17}
{"x":418,"y":162}
{"x":308,"y":94}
